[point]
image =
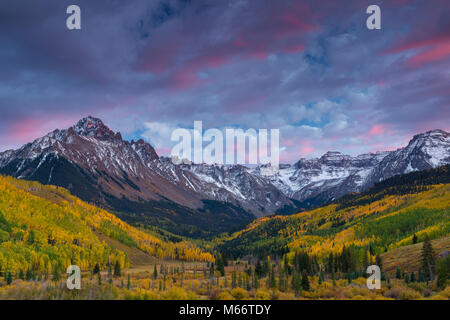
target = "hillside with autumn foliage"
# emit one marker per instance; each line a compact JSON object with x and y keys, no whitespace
{"x":402,"y":225}
{"x":45,"y":228}
{"x":385,"y":217}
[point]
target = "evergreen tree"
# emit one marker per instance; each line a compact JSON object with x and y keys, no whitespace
{"x":9,"y":278}
{"x":220,"y":265}
{"x":282,"y":282}
{"x":330,"y":263}
{"x":287,"y":268}
{"x":255,"y":281}
{"x":378,"y":261}
{"x":247,"y":283}
{"x":96,"y":269}
{"x":56,"y":274}
{"x":365,"y":259}
{"x":258,"y":269}
{"x":128,"y":282}
{"x":233,"y":279}
{"x":296,"y":283}
{"x":211,"y":270}
{"x":109,"y":270}
{"x":421,"y":276}
{"x":305,"y":282}
{"x":273,"y":281}
{"x":117,"y":271}
{"x":443,"y":272}
{"x":225,"y":260}
{"x":398,"y":273}
{"x":265,"y":266}
{"x":155,"y":273}
{"x":413,"y":277}
{"x":29,"y":275}
{"x":320,"y":277}
{"x":31,"y":236}
{"x":427,"y":258}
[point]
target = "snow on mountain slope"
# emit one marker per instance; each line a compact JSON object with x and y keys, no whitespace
{"x":425,"y":151}
{"x":333,"y":171}
{"x":133,"y":170}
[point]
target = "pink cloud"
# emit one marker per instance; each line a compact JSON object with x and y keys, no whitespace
{"x":296,"y":48}
{"x":163,"y":151}
{"x":29,"y":129}
{"x":439,"y":52}
{"x":306,"y":150}
{"x":184,"y":79}
{"x":293,"y":24}
{"x":381,"y":83}
{"x":279,"y":30}
{"x":429,"y":50}
{"x":377,"y":130}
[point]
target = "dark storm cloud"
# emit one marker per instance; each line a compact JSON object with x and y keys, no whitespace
{"x":310,"y":68}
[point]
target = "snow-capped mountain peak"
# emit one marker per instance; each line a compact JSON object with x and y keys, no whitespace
{"x":90,"y":156}
{"x":94,"y":127}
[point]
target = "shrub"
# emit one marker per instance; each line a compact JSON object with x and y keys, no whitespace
{"x":239,"y":293}
{"x":262,"y":295}
{"x":409,"y":294}
{"x":225,"y":295}
{"x":177,"y":294}
{"x":403,"y":293}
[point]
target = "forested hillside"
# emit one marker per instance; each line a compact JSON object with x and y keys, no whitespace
{"x":385,"y":217}
{"x":43,"y":229}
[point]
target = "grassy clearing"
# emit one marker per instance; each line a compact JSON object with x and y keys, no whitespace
{"x":408,"y":258}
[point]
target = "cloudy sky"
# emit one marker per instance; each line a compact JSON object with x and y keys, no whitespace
{"x":309,"y":68}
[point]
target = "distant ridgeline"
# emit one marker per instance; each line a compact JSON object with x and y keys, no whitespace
{"x":384,"y":217}
{"x":45,"y":228}
{"x":413,"y":182}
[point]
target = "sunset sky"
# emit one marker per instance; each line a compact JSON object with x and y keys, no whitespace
{"x":309,"y":68}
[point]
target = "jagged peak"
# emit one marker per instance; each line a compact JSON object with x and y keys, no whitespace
{"x":89,"y":121}
{"x":333,"y":155}
{"x":431,"y":134}
{"x":94,"y":127}
{"x":141,"y":145}
{"x":436,"y":136}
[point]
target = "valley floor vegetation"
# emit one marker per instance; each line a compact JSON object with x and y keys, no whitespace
{"x":402,"y":226}
{"x":256,"y":279}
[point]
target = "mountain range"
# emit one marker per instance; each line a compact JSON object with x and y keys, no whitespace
{"x":129,"y":178}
